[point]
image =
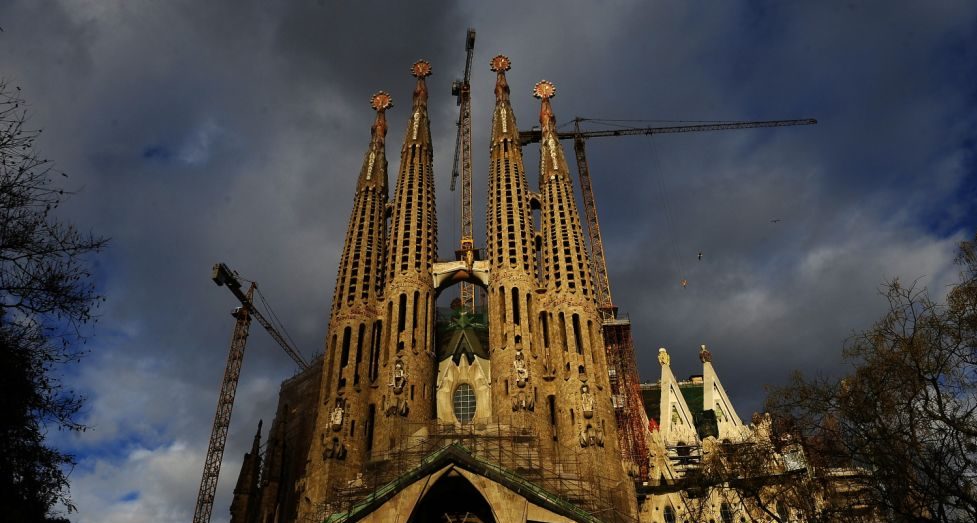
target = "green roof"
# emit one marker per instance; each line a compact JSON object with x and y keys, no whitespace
{"x":704,"y":420}
{"x":692,"y":392}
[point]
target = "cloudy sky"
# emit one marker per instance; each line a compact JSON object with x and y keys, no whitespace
{"x":198,"y":132}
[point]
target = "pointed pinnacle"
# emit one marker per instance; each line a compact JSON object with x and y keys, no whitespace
{"x":500,"y":63}
{"x":544,"y":90}
{"x":421,"y":69}
{"x":381,"y":101}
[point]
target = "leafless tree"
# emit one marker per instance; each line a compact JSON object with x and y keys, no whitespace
{"x":905,"y":415}
{"x":47,"y":299}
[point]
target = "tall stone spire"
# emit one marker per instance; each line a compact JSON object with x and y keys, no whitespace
{"x":351,"y":364}
{"x":360,"y":277}
{"x":515,"y":358}
{"x":407,"y":356}
{"x":584,"y":416}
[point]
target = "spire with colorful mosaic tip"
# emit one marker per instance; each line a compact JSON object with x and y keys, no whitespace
{"x":380,"y":102}
{"x":500,"y":64}
{"x":421,"y":70}
{"x":544,"y":90}
{"x":374,"y":171}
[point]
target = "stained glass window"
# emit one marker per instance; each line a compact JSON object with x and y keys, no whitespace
{"x":464,"y":403}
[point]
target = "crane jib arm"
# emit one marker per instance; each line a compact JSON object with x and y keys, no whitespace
{"x":533,"y":135}
{"x":222,"y":275}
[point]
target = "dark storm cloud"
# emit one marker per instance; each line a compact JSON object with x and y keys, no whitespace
{"x":219,"y":131}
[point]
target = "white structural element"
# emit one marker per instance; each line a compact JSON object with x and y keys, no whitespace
{"x":677,"y":424}
{"x":714,"y":396}
{"x":444,"y":272}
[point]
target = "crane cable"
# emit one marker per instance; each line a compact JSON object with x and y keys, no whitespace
{"x":669,"y":215}
{"x":270,"y":313}
{"x":660,"y":186}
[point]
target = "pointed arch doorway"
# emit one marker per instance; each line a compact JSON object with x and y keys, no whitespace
{"x":452,"y":499}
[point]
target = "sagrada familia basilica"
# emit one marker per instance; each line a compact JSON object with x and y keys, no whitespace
{"x":509,"y":411}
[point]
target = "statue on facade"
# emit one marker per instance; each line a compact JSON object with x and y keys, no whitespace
{"x":398,"y":407}
{"x":336,"y":418}
{"x":663,"y":358}
{"x":335,"y":451}
{"x":523,"y":401}
{"x":549,"y":371}
{"x":399,"y":377}
{"x":704,"y":355}
{"x":522,"y":372}
{"x":591,"y":437}
{"x":587,"y":401}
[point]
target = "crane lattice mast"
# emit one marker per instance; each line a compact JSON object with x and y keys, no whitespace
{"x":222,"y":275}
{"x":463,"y":167}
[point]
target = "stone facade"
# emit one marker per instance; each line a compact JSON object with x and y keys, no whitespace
{"x":410,"y":411}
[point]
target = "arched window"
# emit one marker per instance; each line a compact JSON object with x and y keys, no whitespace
{"x":669,"y":514}
{"x":463,"y":401}
{"x":726,"y":513}
{"x":782,"y":511}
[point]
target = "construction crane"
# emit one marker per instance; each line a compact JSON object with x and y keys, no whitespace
{"x":462,"y":166}
{"x":629,"y":411}
{"x":223,"y":276}
{"x":598,"y":263}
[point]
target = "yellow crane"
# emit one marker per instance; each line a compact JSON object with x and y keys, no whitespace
{"x":223,"y":276}
{"x":463,"y":167}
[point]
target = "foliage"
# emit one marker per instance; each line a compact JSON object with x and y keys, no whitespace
{"x":47,"y":297}
{"x":767,"y":476}
{"x":904,"y":420}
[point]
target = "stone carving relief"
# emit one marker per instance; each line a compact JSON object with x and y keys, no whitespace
{"x":523,"y":401}
{"x":663,"y":358}
{"x":704,"y":355}
{"x":586,"y":401}
{"x":549,"y":371}
{"x":398,"y":407}
{"x":334,"y":450}
{"x":592,"y":437}
{"x":522,"y":372}
{"x":399,"y":378}
{"x":338,"y":413}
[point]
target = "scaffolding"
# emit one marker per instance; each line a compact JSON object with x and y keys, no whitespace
{"x":571,"y":482}
{"x":629,"y":410}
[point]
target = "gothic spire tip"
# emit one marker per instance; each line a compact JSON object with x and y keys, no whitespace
{"x":501,"y":63}
{"x":381,"y":101}
{"x":544,"y":90}
{"x":421,"y":69}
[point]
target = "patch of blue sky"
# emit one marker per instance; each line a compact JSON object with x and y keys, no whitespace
{"x":115,"y":450}
{"x":128,"y":497}
{"x":157,"y":152}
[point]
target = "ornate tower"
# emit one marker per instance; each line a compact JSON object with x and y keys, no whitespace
{"x":405,"y":393}
{"x":516,"y":364}
{"x":351,"y":366}
{"x":569,"y":320}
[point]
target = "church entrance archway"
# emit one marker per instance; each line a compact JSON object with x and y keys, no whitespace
{"x":452,"y":499}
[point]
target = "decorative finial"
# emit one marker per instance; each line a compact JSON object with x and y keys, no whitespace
{"x":663,"y":358}
{"x":421,"y":69}
{"x":544,"y":90}
{"x":381,"y":101}
{"x":500,"y":63}
{"x":704,"y":355}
